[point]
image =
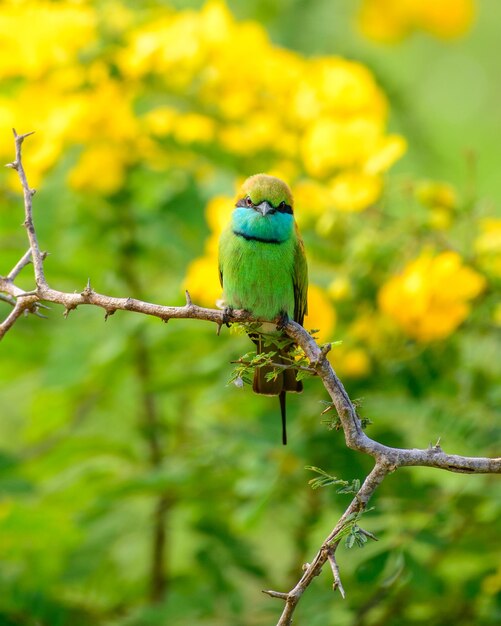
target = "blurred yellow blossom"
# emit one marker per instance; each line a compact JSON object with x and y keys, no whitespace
{"x":321,"y":313}
{"x":51,"y":35}
{"x":202,"y":280}
{"x":488,"y":245}
{"x":340,"y":288}
{"x":331,"y":143}
{"x":389,"y":150}
{"x":392,"y":20}
{"x":431,"y":297}
{"x":228,"y":88}
{"x":355,"y":191}
{"x":496,"y":316}
{"x":350,"y":362}
{"x":218,"y":212}
{"x":441,"y":199}
{"x":101,"y":169}
{"x":310,"y":198}
{"x":434,"y":194}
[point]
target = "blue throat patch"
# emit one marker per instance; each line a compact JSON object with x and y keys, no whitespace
{"x":251,"y":225}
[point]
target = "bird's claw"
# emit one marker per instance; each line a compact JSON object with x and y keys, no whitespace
{"x":283,"y":320}
{"x":227,"y":315}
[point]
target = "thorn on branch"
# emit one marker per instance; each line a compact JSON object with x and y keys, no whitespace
{"x":276,"y":594}
{"x":21,"y":138}
{"x":188,"y":299}
{"x":88,"y":291}
{"x":27,"y":293}
{"x":13,"y":165}
{"x":337,"y":584}
{"x":436,"y":448}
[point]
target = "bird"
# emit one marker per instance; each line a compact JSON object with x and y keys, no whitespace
{"x":263,"y":270}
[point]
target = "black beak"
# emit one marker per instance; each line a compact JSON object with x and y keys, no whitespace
{"x":264,"y":208}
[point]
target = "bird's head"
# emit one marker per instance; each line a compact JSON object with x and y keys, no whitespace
{"x":265,"y":194}
{"x":264,"y":208}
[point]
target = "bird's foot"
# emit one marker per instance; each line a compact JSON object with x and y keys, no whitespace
{"x":283,"y":320}
{"x":227,"y":315}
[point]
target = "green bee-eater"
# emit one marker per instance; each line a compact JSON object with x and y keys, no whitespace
{"x":262,"y":268}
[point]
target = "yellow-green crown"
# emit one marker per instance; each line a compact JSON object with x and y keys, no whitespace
{"x":263,"y":187}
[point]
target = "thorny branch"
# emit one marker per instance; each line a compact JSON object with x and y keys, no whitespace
{"x":387,"y":459}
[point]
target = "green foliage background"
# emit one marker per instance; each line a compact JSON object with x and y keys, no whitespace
{"x":84,"y":403}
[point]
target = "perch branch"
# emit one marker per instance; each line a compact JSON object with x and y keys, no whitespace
{"x":387,"y":459}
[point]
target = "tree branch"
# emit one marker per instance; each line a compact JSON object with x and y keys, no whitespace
{"x":387,"y":459}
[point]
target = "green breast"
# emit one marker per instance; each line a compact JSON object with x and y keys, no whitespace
{"x":258,"y":276}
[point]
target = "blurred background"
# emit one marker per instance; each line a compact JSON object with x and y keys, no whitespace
{"x":138,"y":488}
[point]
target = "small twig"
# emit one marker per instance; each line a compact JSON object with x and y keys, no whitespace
{"x":275,"y":594}
{"x":8,"y":299}
{"x":26,"y":294}
{"x":337,"y":584}
{"x":36,"y":255}
{"x":22,"y":263}
{"x":20,"y":307}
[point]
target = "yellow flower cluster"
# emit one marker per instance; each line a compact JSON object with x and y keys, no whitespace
{"x":226,"y":92}
{"x":441,"y":200}
{"x":391,"y":20}
{"x":488,"y":246}
{"x":431,"y":297}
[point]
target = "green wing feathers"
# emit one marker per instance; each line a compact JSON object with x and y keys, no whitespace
{"x":300,"y":281}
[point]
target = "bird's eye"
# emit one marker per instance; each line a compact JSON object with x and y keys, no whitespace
{"x":248,"y":201}
{"x":281,"y":205}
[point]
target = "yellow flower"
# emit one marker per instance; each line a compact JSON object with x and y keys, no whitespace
{"x":311,"y":199}
{"x":160,"y":121}
{"x":350,"y":362}
{"x":101,"y":169}
{"x":321,"y":314}
{"x":488,"y":245}
{"x":447,"y":18}
{"x":431,"y":297}
{"x":331,"y":143}
{"x":340,"y":288}
{"x":391,"y":20}
{"x":355,"y":191}
{"x":440,"y":219}
{"x":202,"y":280}
{"x":496,"y":316}
{"x":389,"y":150}
{"x":52,"y":36}
{"x":217,"y":213}
{"x":193,"y":128}
{"x":436,"y":194}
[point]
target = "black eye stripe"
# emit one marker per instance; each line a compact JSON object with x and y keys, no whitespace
{"x":284,"y":208}
{"x":281,"y":208}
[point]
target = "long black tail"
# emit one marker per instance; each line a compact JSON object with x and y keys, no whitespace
{"x":284,"y":416}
